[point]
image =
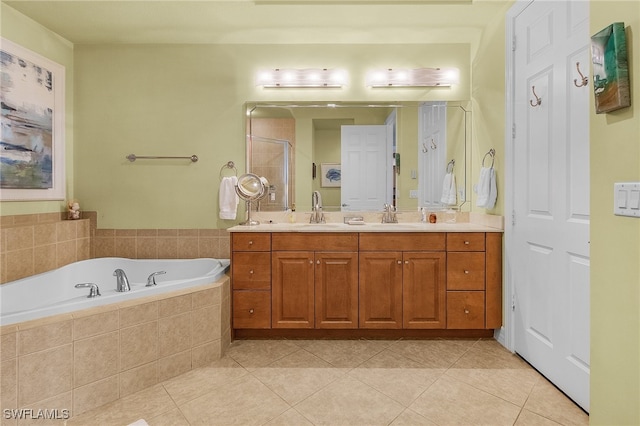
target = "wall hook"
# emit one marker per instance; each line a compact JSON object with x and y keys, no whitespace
{"x":538,"y":100}
{"x":584,"y":80}
{"x":424,"y":148}
{"x":433,"y":144}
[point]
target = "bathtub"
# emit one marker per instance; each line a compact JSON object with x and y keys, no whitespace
{"x":54,"y":292}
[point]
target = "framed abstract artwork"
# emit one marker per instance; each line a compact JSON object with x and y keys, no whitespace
{"x":610,"y":68}
{"x":330,"y":174}
{"x":31,"y":126}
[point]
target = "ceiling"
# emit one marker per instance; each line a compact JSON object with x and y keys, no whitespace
{"x":264,"y":21}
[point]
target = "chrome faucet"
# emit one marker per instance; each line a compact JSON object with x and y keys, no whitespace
{"x":316,"y":202}
{"x":122,"y":282}
{"x":94,"y":291}
{"x":151,"y":279}
{"x":389,"y":215}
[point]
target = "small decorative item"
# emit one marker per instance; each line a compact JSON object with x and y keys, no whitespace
{"x":331,"y":174}
{"x":610,"y":68}
{"x":73,"y":210}
{"x":433,"y":218}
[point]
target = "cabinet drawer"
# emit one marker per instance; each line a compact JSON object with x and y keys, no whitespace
{"x":465,"y":271}
{"x":465,"y":309}
{"x":251,"y":309}
{"x":251,"y":241}
{"x":315,"y":241}
{"x":251,"y":270}
{"x":402,"y":241}
{"x":465,"y":241}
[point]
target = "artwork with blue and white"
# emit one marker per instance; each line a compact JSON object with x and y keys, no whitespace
{"x":26,"y":125}
{"x":331,"y":174}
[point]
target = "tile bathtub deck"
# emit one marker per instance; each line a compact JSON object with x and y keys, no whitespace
{"x":351,"y":382}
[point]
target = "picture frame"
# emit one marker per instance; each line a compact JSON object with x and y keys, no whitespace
{"x":610,"y":68}
{"x":330,"y":175}
{"x":32,"y":158}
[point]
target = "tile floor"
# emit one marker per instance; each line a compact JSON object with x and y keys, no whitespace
{"x":351,"y":382}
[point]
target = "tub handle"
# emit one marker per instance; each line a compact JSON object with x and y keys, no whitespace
{"x":94,"y":290}
{"x":151,"y":280}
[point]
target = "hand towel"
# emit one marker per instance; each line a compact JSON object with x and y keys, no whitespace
{"x":228,"y":199}
{"x":449,"y":190}
{"x":486,"y":188}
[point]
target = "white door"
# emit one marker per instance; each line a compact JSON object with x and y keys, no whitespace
{"x":432,"y":153}
{"x":550,"y":230}
{"x":366,"y":168}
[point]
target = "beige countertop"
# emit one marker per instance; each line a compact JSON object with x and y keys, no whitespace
{"x":465,"y":222}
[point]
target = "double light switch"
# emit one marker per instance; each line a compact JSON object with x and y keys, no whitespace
{"x":626,"y":201}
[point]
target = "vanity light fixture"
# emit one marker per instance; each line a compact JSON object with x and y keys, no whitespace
{"x":418,"y":77}
{"x":306,"y":77}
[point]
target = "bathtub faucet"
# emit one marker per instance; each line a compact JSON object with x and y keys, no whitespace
{"x":151,"y":280}
{"x":94,"y":291}
{"x":122,"y":282}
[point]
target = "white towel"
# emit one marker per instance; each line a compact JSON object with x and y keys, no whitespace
{"x":228,"y":198}
{"x":449,"y":190}
{"x":486,"y":189}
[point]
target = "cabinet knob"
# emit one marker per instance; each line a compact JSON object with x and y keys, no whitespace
{"x":466,"y":311}
{"x":250,"y":243}
{"x":399,"y":262}
{"x":251,"y":271}
{"x":317,"y":262}
{"x":406,"y":262}
{"x":251,"y":311}
{"x":466,"y":272}
{"x":466,"y":243}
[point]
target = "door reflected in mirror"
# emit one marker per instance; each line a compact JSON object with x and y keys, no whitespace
{"x":400,"y":154}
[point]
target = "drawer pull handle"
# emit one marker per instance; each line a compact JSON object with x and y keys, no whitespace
{"x":466,"y":311}
{"x":251,"y":311}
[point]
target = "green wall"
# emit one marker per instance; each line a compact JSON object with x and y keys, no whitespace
{"x":188,"y":99}
{"x":615,"y":241}
{"x":31,"y":35}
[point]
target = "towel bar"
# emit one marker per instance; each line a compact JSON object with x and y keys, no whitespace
{"x":133,"y":157}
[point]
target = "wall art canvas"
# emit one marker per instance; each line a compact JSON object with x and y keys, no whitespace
{"x":331,"y":175}
{"x":31,"y":125}
{"x":610,"y":68}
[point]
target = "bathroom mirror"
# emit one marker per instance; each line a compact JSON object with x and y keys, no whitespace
{"x":294,"y":144}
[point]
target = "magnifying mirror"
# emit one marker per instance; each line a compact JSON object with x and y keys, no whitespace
{"x":251,"y":187}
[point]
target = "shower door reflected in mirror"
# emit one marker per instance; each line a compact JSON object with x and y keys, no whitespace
{"x":272,"y":159}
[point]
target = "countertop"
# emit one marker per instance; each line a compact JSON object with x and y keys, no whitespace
{"x":408,"y":222}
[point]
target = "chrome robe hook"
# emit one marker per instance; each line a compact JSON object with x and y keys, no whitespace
{"x":538,"y":99}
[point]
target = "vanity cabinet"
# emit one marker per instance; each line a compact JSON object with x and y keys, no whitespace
{"x":315,"y":280}
{"x":251,"y":280}
{"x":377,"y":282}
{"x":402,"y":280}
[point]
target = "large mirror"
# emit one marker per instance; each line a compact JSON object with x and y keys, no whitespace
{"x":360,"y":156}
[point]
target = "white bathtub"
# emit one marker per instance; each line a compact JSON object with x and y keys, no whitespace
{"x":54,"y":292}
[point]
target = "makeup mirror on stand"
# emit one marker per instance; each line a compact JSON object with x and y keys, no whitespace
{"x":251,"y":188}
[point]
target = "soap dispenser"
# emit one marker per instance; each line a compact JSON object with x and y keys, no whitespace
{"x":292,"y":214}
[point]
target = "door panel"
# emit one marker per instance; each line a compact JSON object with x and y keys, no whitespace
{"x":381,"y":290}
{"x":366,"y":169}
{"x":424,"y":290}
{"x":551,"y":194}
{"x":336,"y":290}
{"x":292,"y":298}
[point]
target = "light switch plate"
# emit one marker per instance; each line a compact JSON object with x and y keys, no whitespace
{"x":413,"y":193}
{"x":626,"y":199}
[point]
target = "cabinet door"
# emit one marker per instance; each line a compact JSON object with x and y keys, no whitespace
{"x":424,"y":290}
{"x":381,"y":289}
{"x":292,"y":289}
{"x":336,"y":290}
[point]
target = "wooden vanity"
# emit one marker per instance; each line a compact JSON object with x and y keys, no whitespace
{"x":359,"y":284}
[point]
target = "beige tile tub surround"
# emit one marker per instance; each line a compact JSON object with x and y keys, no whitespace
{"x":83,"y":360}
{"x":161,"y":243}
{"x":32,"y":244}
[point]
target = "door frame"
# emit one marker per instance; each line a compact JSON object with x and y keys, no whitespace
{"x":506,"y":335}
